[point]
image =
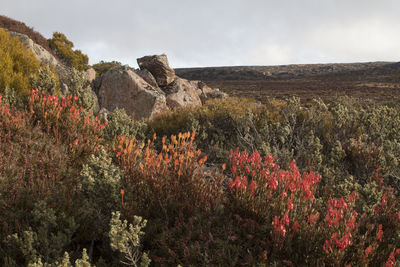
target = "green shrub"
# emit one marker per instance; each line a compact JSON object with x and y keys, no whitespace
{"x":16,"y":65}
{"x":126,"y":239}
{"x":103,"y":66}
{"x":63,"y":48}
{"x":79,"y":86}
{"x":46,"y":80}
{"x":101,"y":182}
{"x":120,"y":124}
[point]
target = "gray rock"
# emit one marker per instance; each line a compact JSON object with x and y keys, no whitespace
{"x":202,"y":89}
{"x":147,"y":76}
{"x":64,"y":88}
{"x":123,"y":88}
{"x":216,"y":93}
{"x":182,"y":93}
{"x":90,"y":74}
{"x":205,"y":92}
{"x":158,"y":66}
{"x":103,"y":114}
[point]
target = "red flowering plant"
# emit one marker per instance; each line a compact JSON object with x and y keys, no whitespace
{"x":296,"y":226}
{"x":33,"y":167}
{"x":394,"y":259}
{"x":62,"y":118}
{"x":282,"y":201}
{"x":383,"y":228}
{"x":340,"y":226}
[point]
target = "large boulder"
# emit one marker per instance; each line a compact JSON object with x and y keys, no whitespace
{"x":123,"y":88}
{"x":159,"y":67}
{"x":181,"y":93}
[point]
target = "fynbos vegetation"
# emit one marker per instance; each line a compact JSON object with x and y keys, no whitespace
{"x":229,"y":183}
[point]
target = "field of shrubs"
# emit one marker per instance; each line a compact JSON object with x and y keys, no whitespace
{"x":231,"y":183}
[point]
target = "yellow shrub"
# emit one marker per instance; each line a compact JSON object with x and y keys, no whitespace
{"x":16,"y":64}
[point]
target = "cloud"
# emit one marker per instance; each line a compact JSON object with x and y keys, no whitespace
{"x":223,"y":32}
{"x":372,"y":40}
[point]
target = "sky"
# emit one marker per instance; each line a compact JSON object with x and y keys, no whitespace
{"x":205,"y":33}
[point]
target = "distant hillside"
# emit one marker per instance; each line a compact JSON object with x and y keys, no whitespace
{"x":274,"y":72}
{"x":376,"y":81}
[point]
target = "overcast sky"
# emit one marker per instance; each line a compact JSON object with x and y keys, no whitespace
{"x":220,"y":32}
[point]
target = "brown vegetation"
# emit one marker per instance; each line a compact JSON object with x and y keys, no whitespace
{"x":376,"y":81}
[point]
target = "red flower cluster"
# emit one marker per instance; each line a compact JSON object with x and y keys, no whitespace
{"x":337,"y":209}
{"x":279,"y":225}
{"x":335,"y":241}
{"x":392,"y":258}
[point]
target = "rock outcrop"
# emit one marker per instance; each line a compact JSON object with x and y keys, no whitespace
{"x":158,"y":66}
{"x":152,"y":89}
{"x":205,"y":92}
{"x":44,"y":56}
{"x":41,"y":54}
{"x":181,"y":93}
{"x":123,"y":88}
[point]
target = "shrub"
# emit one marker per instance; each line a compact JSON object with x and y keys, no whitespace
{"x":126,"y":240}
{"x":103,"y":66}
{"x":220,"y":124}
{"x":66,"y":121}
{"x":120,"y":124}
{"x":16,"y":64}
{"x":170,"y":189}
{"x":100,"y":183}
{"x":289,"y":218}
{"x":41,"y":153}
{"x":80,"y":87}
{"x":63,"y":48}
{"x":46,"y":80}
{"x":169,"y":181}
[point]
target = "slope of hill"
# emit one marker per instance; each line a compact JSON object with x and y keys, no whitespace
{"x":20,"y":27}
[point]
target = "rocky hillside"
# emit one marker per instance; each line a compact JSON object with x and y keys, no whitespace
{"x":142,"y":93}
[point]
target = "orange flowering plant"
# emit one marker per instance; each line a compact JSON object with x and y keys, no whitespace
{"x":170,"y":181}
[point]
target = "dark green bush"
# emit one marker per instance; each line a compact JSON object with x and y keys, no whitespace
{"x":103,"y":66}
{"x":63,"y":48}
